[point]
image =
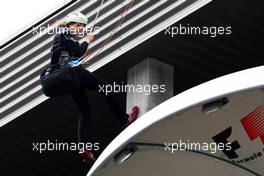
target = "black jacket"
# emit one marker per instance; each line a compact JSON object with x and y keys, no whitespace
{"x":65,"y":41}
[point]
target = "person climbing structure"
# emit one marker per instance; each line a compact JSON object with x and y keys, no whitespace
{"x":65,"y":52}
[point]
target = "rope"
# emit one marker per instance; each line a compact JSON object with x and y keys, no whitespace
{"x":97,"y":14}
{"x":87,"y":58}
{"x":92,"y":27}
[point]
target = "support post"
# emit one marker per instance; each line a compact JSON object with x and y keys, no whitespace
{"x":149,"y":74}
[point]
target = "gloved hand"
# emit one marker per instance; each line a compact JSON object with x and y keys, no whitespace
{"x":73,"y":63}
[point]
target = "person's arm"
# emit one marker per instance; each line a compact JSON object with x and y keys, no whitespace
{"x":73,"y":46}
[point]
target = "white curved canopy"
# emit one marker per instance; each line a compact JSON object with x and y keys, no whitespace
{"x":181,"y":118}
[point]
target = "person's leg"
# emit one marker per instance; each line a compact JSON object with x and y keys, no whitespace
{"x":81,"y":101}
{"x":90,"y":81}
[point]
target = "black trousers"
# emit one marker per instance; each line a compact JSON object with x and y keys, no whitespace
{"x":90,"y":81}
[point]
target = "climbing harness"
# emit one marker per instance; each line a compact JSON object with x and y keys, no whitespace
{"x":60,"y":79}
{"x":58,"y":82}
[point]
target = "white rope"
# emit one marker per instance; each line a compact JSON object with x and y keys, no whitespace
{"x":97,"y":14}
{"x":92,"y":27}
{"x":86,"y":58}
